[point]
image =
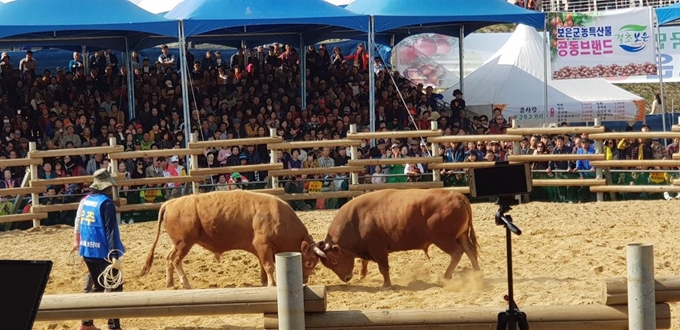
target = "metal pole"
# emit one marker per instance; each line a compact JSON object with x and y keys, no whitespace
{"x":371,"y":75}
{"x":303,"y":73}
{"x":546,"y":64}
{"x":641,"y":287}
{"x":655,"y":20}
{"x":185,"y":87}
{"x":130,"y":80}
{"x":86,"y":60}
{"x":461,"y":57}
{"x":114,"y":172}
{"x":289,"y":291}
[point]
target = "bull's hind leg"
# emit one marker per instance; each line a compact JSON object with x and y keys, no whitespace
{"x":170,"y":269}
{"x":455,"y":251}
{"x":470,"y":251}
{"x":182,"y":249}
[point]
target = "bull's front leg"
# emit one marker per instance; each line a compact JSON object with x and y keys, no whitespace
{"x":267,"y":262}
{"x":384,"y":267}
{"x":364,"y":268}
{"x":263,"y":275}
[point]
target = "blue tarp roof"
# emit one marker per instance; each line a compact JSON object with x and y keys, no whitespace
{"x":101,"y":23}
{"x":265,"y":20}
{"x":403,"y":18}
{"x":668,"y":14}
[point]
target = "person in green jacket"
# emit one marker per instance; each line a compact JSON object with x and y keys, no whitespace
{"x":396,"y":168}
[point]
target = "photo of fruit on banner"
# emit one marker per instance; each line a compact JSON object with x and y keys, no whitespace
{"x":429,"y":59}
{"x":617,"y":43}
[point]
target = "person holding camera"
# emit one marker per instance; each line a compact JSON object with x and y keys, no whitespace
{"x":236,"y":181}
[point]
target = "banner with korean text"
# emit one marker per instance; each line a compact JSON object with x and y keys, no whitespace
{"x":613,"y":43}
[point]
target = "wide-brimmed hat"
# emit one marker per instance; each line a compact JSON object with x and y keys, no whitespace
{"x":102,"y":180}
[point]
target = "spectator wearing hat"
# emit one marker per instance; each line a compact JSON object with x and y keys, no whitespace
{"x":585,"y":170}
{"x":6,"y":73}
{"x":395,"y":171}
{"x":174,"y":169}
{"x":458,"y":104}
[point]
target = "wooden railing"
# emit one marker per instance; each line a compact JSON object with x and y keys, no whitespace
{"x":601,"y":184}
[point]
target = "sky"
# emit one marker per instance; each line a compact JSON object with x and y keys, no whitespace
{"x":160,"y":6}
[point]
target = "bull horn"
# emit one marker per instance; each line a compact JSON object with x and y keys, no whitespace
{"x":327,"y":246}
{"x":319,"y":252}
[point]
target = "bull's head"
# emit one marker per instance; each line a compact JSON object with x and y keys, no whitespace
{"x":310,"y":257}
{"x":340,"y":261}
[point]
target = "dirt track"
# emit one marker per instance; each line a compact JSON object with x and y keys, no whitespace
{"x":565,"y":252}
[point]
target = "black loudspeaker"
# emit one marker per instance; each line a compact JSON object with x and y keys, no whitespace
{"x":22,"y":284}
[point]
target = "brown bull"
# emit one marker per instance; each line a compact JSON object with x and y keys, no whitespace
{"x":375,"y":224}
{"x":261,"y":224}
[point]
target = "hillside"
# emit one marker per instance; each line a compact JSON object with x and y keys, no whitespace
{"x":647,"y":91}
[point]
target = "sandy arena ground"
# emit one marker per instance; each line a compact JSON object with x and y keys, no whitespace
{"x":561,"y":258}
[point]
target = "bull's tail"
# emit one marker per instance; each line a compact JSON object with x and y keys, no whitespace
{"x":149,"y":257}
{"x":471,"y":232}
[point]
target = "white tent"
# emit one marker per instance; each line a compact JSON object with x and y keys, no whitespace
{"x":512,"y":80}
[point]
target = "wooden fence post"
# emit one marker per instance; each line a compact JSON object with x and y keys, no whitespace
{"x":193,"y":164}
{"x":35,"y":197}
{"x":113,"y":164}
{"x":599,"y":149}
{"x":354,"y":177}
{"x":272,"y":159}
{"x":434,"y":125}
{"x":517,"y":150}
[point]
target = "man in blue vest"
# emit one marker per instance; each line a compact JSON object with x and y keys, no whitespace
{"x":99,"y":238}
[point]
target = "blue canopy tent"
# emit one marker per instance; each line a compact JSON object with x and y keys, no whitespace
{"x":59,"y":22}
{"x":395,"y":20}
{"x":668,"y":14}
{"x":260,"y":21}
{"x":120,"y":26}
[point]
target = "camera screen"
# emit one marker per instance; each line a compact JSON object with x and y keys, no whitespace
{"x":500,"y":180}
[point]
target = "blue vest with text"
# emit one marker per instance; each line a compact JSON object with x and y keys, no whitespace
{"x":93,"y":242}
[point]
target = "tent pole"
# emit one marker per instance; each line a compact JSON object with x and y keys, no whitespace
{"x":130,"y":86}
{"x":655,"y":19}
{"x":86,"y":61}
{"x":371,"y":75}
{"x":461,"y":57}
{"x":303,"y":73}
{"x":185,"y":88}
{"x":546,"y":41}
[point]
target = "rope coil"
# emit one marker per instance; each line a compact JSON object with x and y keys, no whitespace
{"x":107,"y":279}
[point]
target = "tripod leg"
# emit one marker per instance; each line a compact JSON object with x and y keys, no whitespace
{"x":502,"y":321}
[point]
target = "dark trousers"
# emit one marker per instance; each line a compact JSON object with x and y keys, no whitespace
{"x":96,"y":267}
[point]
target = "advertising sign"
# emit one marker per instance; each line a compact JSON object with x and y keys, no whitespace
{"x":669,"y":39}
{"x":611,"y":43}
{"x":529,"y":116}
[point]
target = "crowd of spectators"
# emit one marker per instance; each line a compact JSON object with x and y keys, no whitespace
{"x":244,"y":96}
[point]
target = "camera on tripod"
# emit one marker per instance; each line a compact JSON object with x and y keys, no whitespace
{"x":505,"y":181}
{"x":501,"y":180}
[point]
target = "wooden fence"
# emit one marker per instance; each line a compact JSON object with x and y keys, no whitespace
{"x":601,"y":184}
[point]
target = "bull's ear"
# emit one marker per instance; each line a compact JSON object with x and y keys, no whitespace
{"x":305,"y":247}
